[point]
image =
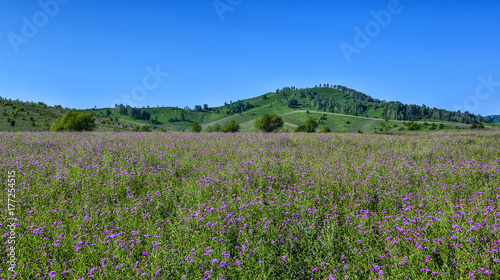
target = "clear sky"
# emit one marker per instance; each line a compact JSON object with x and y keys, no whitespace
{"x":82,"y":54}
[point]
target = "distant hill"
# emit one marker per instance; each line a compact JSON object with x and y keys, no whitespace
{"x":30,"y":116}
{"x":493,"y":119}
{"x":338,"y":107}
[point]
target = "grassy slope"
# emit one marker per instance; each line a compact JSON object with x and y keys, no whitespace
{"x":371,"y":122}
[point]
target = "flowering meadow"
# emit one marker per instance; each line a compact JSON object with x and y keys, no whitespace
{"x":252,"y":206}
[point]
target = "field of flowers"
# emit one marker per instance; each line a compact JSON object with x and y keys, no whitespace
{"x":251,"y":206}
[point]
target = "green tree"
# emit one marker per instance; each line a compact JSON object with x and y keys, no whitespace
{"x":414,"y":126}
{"x":309,"y":127}
{"x":217,"y":127}
{"x":269,"y":123}
{"x":195,"y":128}
{"x":326,"y":129}
{"x":209,"y":129}
{"x":75,"y":121}
{"x":231,"y":126}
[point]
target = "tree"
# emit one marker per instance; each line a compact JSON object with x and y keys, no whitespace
{"x":108,"y":112}
{"x":269,"y":123}
{"x":292,"y":102}
{"x":75,"y":121}
{"x":477,"y":126}
{"x":414,"y":126}
{"x":326,"y":129}
{"x":217,"y":127}
{"x":231,"y":126}
{"x":309,"y":127}
{"x":205,"y":107}
{"x":209,"y":129}
{"x":196,"y":128}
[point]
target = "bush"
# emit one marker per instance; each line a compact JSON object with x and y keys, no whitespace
{"x":326,"y":129}
{"x":231,"y":126}
{"x":309,"y":127}
{"x":75,"y":121}
{"x":196,"y":128}
{"x":414,"y":126}
{"x":269,"y":123}
{"x":477,"y":126}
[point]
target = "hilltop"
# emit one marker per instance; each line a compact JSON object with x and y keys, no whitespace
{"x":340,"y":108}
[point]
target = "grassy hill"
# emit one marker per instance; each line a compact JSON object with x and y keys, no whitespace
{"x":30,"y":116}
{"x":244,"y":112}
{"x":340,"y":108}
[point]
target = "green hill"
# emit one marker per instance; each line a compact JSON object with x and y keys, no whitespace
{"x":340,"y":108}
{"x":493,"y":119}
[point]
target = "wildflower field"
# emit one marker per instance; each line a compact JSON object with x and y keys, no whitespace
{"x":251,"y":206}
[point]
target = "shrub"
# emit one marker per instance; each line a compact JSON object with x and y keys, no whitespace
{"x":414,"y":126}
{"x":309,"y":127}
{"x":326,"y":129}
{"x":75,"y":121}
{"x":231,"y":126}
{"x":196,"y":128}
{"x":477,"y":126}
{"x":269,"y":123}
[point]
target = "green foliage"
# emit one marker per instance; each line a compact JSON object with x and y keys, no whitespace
{"x":414,"y":126}
{"x":360,"y":131}
{"x":326,"y":129}
{"x":196,"y":128}
{"x":309,"y":127}
{"x":146,"y":128}
{"x":231,"y":126}
{"x":269,"y":123}
{"x":477,"y":126}
{"x":209,"y":129}
{"x":75,"y":121}
{"x":217,"y":127}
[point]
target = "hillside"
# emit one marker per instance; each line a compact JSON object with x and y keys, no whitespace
{"x":493,"y":119}
{"x":340,"y":108}
{"x":30,"y":116}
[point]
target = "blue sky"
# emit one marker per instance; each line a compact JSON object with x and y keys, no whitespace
{"x":82,"y":54}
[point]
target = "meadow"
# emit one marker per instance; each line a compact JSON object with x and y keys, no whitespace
{"x":125,"y":205}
